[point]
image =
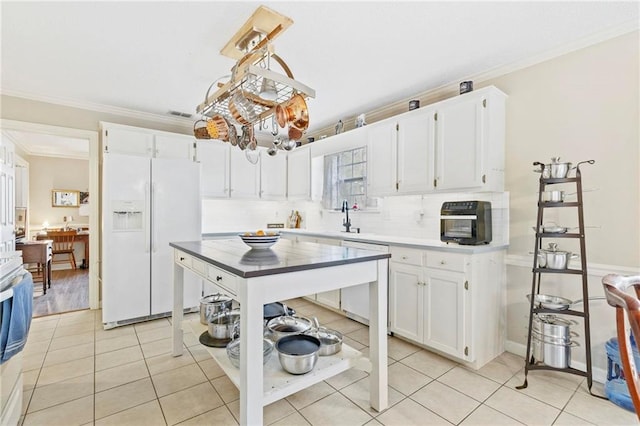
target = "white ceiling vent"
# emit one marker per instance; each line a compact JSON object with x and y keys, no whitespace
{"x":180,"y":114}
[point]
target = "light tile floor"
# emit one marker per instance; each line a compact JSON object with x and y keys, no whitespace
{"x":78,"y":373}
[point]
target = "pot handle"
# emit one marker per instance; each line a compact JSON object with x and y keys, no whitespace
{"x":585,"y":162}
{"x":286,"y":309}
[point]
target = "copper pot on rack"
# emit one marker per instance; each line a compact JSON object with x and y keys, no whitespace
{"x":294,"y":112}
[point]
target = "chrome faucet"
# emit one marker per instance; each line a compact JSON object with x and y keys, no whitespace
{"x":346,"y":222}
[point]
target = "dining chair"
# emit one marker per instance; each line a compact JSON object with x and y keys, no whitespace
{"x":615,"y":287}
{"x":63,"y":245}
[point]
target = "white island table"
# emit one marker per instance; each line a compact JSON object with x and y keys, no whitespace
{"x":287,"y":270}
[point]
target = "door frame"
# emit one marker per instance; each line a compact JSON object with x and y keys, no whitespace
{"x":92,"y":138}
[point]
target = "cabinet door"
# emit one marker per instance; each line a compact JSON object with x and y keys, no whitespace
{"x":445,"y":312}
{"x":459,"y":145}
{"x":273,"y":176}
{"x":118,"y":140}
{"x":416,"y":151}
{"x":299,"y":174}
{"x":406,"y":301}
{"x":213,"y":157}
{"x":174,"y":146}
{"x":244,"y":176}
{"x":382,"y":160}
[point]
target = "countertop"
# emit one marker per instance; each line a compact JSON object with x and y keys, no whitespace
{"x":236,"y":257}
{"x":417,"y":243}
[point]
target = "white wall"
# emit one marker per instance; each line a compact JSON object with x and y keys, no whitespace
{"x":46,"y":174}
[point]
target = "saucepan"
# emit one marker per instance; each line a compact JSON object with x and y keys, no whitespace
{"x":286,"y":325}
{"x":330,"y":340}
{"x":553,"y":258}
{"x":557,"y":169}
{"x":298,"y":353}
{"x":222,"y":323}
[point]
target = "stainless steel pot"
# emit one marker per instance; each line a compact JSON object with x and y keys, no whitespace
{"x":552,"y":196}
{"x":213,"y":304}
{"x":553,"y":258}
{"x":330,"y":340}
{"x":556,"y":170}
{"x":298,"y":353}
{"x":222,"y":324}
{"x":286,"y":325}
{"x":557,"y":354}
{"x":558,"y":329}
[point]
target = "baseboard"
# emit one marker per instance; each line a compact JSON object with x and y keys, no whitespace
{"x":599,"y":375}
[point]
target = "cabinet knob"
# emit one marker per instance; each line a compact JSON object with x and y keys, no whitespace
{"x":181,"y":259}
{"x":218,"y":278}
{"x":405,"y":257}
{"x":442,"y":262}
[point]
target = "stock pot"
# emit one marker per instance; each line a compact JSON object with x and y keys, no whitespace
{"x":213,"y":304}
{"x":553,"y":258}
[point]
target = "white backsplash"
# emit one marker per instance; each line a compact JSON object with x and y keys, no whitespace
{"x":416,"y":216}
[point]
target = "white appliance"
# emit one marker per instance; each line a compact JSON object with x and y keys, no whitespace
{"x":355,"y":300}
{"x":146,"y":203}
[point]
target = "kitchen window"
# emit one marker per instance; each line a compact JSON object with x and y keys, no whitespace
{"x":345,"y":178}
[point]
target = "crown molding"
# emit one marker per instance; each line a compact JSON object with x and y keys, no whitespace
{"x":107,"y":109}
{"x":452,"y":88}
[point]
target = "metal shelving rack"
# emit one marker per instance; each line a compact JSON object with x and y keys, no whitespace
{"x":539,"y":272}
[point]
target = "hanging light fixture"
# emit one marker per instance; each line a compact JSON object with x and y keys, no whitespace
{"x":256,"y":91}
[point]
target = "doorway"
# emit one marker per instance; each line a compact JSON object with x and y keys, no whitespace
{"x":91,"y":138}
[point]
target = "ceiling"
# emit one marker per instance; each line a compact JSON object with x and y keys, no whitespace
{"x":154,"y":57}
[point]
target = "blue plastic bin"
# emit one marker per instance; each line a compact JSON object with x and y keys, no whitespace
{"x":616,"y":386}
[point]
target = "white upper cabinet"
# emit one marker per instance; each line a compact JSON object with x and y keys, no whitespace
{"x":299,"y":174}
{"x":382,"y":158}
{"x":456,"y":144}
{"x":244,"y":177}
{"x":213,"y":157}
{"x":470,"y":133}
{"x":273,"y":176}
{"x":169,"y":145}
{"x":415,"y":151}
{"x":128,"y":140}
{"x":400,"y":154}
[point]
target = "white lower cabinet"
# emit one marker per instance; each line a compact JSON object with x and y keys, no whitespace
{"x":450,"y":302}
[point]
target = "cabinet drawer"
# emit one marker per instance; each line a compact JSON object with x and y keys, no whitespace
{"x":183,"y":259}
{"x":448,"y":261}
{"x":406,"y":255}
{"x":199,"y":266}
{"x":223,"y":279}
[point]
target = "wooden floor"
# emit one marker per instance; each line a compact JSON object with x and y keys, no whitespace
{"x":69,"y":292}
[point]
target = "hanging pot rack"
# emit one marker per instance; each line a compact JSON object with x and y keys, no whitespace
{"x":252,"y":46}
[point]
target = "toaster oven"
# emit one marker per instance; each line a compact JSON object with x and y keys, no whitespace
{"x":466,"y":222}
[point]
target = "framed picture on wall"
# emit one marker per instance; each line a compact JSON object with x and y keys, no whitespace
{"x":64,"y":198}
{"x":84,"y":197}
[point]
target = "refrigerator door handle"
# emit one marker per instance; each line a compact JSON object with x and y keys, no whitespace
{"x":146,"y":225}
{"x":153,"y":219}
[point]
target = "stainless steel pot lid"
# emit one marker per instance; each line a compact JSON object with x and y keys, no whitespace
{"x":553,"y":248}
{"x":215,"y":298}
{"x":276,"y":309}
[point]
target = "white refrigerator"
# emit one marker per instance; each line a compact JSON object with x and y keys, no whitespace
{"x":146,"y":203}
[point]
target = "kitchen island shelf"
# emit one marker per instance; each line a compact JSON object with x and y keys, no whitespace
{"x":277,"y":383}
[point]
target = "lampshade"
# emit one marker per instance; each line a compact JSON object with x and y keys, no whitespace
{"x":84,"y":210}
